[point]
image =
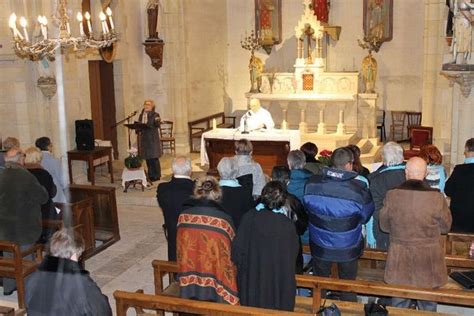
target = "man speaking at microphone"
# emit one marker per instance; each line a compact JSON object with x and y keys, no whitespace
{"x":257,"y":117}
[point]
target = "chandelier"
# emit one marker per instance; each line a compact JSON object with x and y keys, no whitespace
{"x":43,"y":46}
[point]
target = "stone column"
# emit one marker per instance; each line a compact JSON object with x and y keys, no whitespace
{"x":284,"y":109}
{"x":303,"y":106}
{"x":321,"y":125}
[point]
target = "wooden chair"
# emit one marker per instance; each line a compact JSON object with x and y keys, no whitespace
{"x":398,"y":125}
{"x":419,"y":136}
{"x":17,"y":266}
{"x":166,"y":136}
{"x":381,"y":124}
{"x":413,"y":119}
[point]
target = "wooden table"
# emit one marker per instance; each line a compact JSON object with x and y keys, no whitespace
{"x":89,"y":156}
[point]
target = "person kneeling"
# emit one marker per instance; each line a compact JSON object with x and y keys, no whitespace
{"x":60,"y":286}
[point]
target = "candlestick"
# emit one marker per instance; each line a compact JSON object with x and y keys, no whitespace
{"x":321,"y":116}
{"x":89,"y":25}
{"x":45,"y":24}
{"x":81,"y":26}
{"x":283,"y":125}
{"x":12,"y":24}
{"x":341,"y":116}
{"x":68,"y":28}
{"x":109,"y":14}
{"x":23,"y":24}
{"x":214,"y":124}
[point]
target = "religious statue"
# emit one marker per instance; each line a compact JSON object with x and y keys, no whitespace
{"x":321,"y":10}
{"x":369,"y":73}
{"x":462,"y":31}
{"x":256,"y":70}
{"x":152,"y":8}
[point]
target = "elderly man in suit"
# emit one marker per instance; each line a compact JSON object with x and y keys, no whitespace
{"x":415,"y":215}
{"x":171,"y":195}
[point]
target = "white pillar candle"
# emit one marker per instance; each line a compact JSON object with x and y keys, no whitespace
{"x":23,"y":24}
{"x":81,"y":25}
{"x":109,"y":14}
{"x":214,"y":124}
{"x":89,"y":25}
{"x":102,"y":20}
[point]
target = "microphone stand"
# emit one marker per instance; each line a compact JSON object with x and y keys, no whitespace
{"x":127,"y":119}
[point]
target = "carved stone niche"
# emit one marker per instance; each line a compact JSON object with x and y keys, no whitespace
{"x":154,"y":49}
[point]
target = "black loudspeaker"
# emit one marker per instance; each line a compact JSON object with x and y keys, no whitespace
{"x":85,"y":135}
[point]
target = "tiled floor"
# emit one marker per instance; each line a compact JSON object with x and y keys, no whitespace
{"x":126,"y":265}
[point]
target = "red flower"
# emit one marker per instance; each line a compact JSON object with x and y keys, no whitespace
{"x":325,"y":153}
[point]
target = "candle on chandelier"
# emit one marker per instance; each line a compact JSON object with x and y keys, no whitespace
{"x":81,"y":26}
{"x":45,"y":24}
{"x":42,"y":22}
{"x":109,"y":14}
{"x":12,"y":24}
{"x":102,"y":21}
{"x":88,"y":19}
{"x":23,"y":24}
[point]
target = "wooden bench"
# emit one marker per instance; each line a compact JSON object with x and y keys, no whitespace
{"x":17,"y":266}
{"x":200,"y":126}
{"x":126,"y":300}
{"x":312,"y":304}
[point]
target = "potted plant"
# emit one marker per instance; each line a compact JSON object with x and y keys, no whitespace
{"x":325,"y":157}
{"x":133,"y":161}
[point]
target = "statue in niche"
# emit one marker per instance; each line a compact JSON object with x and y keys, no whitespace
{"x":152,"y":8}
{"x":321,"y":10}
{"x":369,"y":72}
{"x":256,"y":70}
{"x":462,"y":30}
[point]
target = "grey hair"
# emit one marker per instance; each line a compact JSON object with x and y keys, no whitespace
{"x":15,"y":158}
{"x":392,"y":154}
{"x":296,"y":159}
{"x":181,"y":166}
{"x":226,"y":168}
{"x":65,"y":243}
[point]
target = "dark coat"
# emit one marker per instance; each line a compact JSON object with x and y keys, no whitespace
{"x":298,"y":179}
{"x":170,"y":196}
{"x":415,"y":216}
{"x":381,"y":181}
{"x":298,"y":215}
{"x":236,"y":201}
{"x":44,"y":178}
{"x":460,"y":188}
{"x":338,"y":205}
{"x":314,"y":166}
{"x":60,"y":287}
{"x":149,"y":138}
{"x":264,"y":251}
{"x":20,"y":205}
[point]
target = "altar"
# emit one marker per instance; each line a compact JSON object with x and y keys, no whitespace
{"x":270,"y":147}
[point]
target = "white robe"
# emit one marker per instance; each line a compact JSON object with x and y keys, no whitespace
{"x":256,"y":119}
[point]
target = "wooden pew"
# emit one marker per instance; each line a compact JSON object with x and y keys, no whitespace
{"x":457,"y":297}
{"x":202,"y":125}
{"x":126,"y":300}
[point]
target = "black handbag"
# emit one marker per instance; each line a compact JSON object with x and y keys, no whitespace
{"x":375,"y":309}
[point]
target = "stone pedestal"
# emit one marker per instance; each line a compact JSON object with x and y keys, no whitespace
{"x":367,"y":115}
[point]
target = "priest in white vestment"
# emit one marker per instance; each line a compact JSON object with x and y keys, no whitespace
{"x":257,"y":117}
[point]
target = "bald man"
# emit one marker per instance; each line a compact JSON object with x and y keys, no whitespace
{"x":257,"y":117}
{"x":415,"y":216}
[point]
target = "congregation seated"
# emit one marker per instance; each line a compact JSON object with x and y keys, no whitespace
{"x":171,"y":195}
{"x":265,"y":251}
{"x":246,"y":165}
{"x":236,"y":198}
{"x":204,"y":236}
{"x":357,"y":164}
{"x":436,"y":174}
{"x":295,"y":209}
{"x":60,"y":287}
{"x":415,"y":215}
{"x":53,"y":166}
{"x":33,"y":157}
{"x":310,"y":151}
{"x":390,"y":175}
{"x":460,"y":188}
{"x":20,"y":206}
{"x":299,"y":175}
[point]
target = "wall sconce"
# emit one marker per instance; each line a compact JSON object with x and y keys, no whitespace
{"x":153,"y":44}
{"x":47,"y":86}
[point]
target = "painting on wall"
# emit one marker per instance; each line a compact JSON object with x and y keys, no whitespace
{"x":378,"y":20}
{"x":268,"y":22}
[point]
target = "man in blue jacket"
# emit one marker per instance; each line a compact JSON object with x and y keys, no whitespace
{"x":338,"y":204}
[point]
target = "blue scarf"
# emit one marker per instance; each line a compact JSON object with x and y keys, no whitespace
{"x":229,"y":183}
{"x":281,"y":210}
{"x":397,"y":167}
{"x":469,"y":160}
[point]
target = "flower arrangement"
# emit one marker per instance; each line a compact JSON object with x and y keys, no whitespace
{"x":325,"y":157}
{"x":133,"y":161}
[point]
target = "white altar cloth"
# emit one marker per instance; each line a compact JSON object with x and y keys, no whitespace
{"x":292,"y":136}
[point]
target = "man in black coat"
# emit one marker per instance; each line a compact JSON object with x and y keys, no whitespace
{"x":21,"y":197}
{"x":171,"y":195}
{"x":460,"y":188}
{"x":389,"y":176}
{"x":149,"y":140}
{"x":60,"y":287}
